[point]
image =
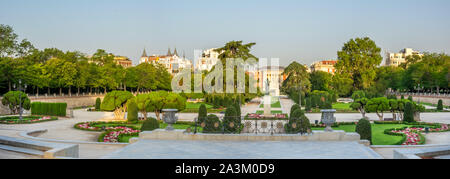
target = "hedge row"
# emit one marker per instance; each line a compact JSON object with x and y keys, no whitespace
{"x":51,"y":109}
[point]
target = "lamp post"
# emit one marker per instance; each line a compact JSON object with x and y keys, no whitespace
{"x":19,"y":87}
{"x":419,"y":88}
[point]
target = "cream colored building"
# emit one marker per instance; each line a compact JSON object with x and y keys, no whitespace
{"x":208,"y":60}
{"x":395,"y":59}
{"x":172,"y":61}
{"x":325,"y":66}
{"x":123,"y":61}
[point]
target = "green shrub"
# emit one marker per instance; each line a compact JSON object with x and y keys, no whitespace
{"x":408,"y":115}
{"x":364,"y":129}
{"x":229,"y":118}
{"x":440,"y":106}
{"x":210,"y":123}
{"x":150,"y":124}
{"x":202,"y":113}
{"x":237,"y":106}
{"x":294,"y":108}
{"x":403,"y":97}
{"x":51,"y":109}
{"x":98,"y":103}
{"x":115,"y":99}
{"x":12,"y":100}
{"x":301,"y":122}
{"x":132,"y":114}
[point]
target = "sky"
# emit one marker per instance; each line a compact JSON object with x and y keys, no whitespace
{"x":302,"y":30}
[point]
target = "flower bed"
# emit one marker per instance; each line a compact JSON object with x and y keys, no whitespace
{"x":26,"y":119}
{"x":413,"y":135}
{"x":262,"y":117}
{"x":112,"y":133}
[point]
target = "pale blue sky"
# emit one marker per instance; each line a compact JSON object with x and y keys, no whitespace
{"x":302,"y":30}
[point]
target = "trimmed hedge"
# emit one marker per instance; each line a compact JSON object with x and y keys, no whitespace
{"x":150,"y":125}
{"x":440,"y":106}
{"x":51,"y":109}
{"x":364,"y":129}
{"x":210,"y":123}
{"x":98,"y":103}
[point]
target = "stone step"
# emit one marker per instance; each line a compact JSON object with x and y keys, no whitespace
{"x":22,"y":150}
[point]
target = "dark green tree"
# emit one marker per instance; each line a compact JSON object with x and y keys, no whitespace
{"x":364,"y":129}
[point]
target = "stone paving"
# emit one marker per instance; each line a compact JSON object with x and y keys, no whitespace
{"x":160,"y":149}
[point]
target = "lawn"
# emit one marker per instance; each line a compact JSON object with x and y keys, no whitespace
{"x":196,"y":105}
{"x":274,"y":105}
{"x":273,"y":112}
{"x":342,"y":106}
{"x":378,"y":136}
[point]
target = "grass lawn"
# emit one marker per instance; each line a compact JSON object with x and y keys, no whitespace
{"x":378,"y":136}
{"x":274,"y":105}
{"x":273,"y":112}
{"x":342,"y":106}
{"x":196,"y":105}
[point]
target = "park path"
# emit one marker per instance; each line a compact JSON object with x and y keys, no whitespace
{"x":62,"y":129}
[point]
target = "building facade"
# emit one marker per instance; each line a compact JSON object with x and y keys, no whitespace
{"x":208,"y":59}
{"x":172,"y":61}
{"x":395,"y":59}
{"x":123,"y":61}
{"x":325,"y":66}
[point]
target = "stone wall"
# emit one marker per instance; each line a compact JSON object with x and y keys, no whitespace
{"x":432,"y":100}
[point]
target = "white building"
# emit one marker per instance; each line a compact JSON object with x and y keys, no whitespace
{"x":171,"y":61}
{"x":208,"y":60}
{"x":395,"y":59}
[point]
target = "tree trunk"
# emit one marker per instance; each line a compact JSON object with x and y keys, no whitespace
{"x":9,"y":85}
{"x":48,"y":91}
{"x":157,"y":115}
{"x":60,"y":91}
{"x":105,"y":90}
{"x":145,"y":115}
{"x":78,"y":92}
{"x":37,"y":91}
{"x":70,"y":90}
{"x":380,"y":116}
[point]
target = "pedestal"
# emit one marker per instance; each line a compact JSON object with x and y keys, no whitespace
{"x":267,"y":105}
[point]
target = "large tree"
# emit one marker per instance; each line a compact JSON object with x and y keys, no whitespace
{"x":297,"y":77}
{"x":359,"y":59}
{"x":320,"y":80}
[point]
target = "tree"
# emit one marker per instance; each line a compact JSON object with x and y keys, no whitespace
{"x":378,"y":105}
{"x":360,"y":105}
{"x":297,"y":82}
{"x":146,"y":74}
{"x":115,"y":101}
{"x":342,"y":84}
{"x":144,"y":103}
{"x":60,"y":73}
{"x":235,"y":49}
{"x":358,"y":95}
{"x":394,"y":107}
{"x":294,"y":108}
{"x":320,"y":80}
{"x":12,"y":99}
{"x":202,"y":113}
{"x":160,"y":100}
{"x":10,"y":45}
{"x":359,"y":59}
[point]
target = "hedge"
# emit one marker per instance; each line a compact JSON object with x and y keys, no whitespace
{"x":51,"y":109}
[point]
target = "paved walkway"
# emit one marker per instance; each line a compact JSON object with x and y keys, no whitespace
{"x":160,"y":149}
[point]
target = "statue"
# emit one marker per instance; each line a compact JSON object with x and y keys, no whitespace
{"x":267,"y":86}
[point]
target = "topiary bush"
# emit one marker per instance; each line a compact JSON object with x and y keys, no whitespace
{"x":294,"y":108}
{"x":231,"y":121}
{"x":212,"y":124}
{"x":364,"y":129}
{"x":408,"y":115}
{"x":237,"y":106}
{"x":12,"y":100}
{"x":202,"y":113}
{"x":98,"y":103}
{"x":403,"y":97}
{"x":150,"y":125}
{"x":132,"y":116}
{"x":440,"y":105}
{"x":298,"y":123}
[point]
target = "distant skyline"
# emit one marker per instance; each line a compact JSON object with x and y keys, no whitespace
{"x":301,"y":30}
